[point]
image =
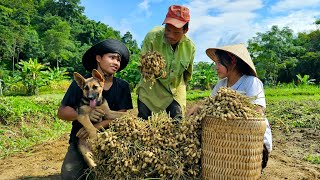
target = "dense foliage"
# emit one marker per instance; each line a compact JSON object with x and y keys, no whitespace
{"x":279,"y":56}
{"x":203,"y":77}
{"x":56,"y":33}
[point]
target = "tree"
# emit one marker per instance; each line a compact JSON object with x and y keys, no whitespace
{"x":309,"y":62}
{"x":57,"y":42}
{"x":68,"y":10}
{"x":131,"y":72}
{"x":14,"y":22}
{"x":32,"y":47}
{"x":274,"y":53}
{"x":92,"y":32}
{"x":31,"y":75}
{"x":75,"y":62}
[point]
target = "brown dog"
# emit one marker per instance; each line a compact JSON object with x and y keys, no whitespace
{"x":92,"y":99}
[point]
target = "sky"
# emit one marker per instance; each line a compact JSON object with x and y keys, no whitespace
{"x":213,"y":23}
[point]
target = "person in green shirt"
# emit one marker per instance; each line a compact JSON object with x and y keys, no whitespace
{"x":168,"y":93}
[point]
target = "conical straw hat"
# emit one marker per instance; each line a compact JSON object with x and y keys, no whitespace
{"x":238,"y":50}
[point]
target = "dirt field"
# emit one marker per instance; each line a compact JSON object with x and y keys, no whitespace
{"x":43,"y":161}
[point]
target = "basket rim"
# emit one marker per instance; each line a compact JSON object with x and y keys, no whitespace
{"x":237,"y":118}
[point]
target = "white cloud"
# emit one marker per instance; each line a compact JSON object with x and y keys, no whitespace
{"x":217,"y":23}
{"x":287,"y":5}
{"x":145,"y":7}
{"x":298,"y":21}
{"x":221,"y":22}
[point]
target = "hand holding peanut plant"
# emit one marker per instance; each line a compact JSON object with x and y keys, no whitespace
{"x":152,"y":66}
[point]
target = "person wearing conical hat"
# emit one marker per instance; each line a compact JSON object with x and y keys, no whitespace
{"x":236,"y":70}
{"x":108,"y":57}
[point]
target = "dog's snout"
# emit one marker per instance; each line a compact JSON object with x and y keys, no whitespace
{"x":92,"y":96}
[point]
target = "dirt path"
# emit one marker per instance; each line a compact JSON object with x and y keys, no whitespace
{"x":43,"y":161}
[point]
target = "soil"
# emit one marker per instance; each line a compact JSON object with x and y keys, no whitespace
{"x":43,"y":162}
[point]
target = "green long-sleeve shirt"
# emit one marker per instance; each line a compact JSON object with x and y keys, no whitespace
{"x":179,"y":66}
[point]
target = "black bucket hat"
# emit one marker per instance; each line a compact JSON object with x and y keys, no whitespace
{"x":106,"y":46}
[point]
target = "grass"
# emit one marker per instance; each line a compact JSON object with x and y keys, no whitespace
{"x":293,"y":107}
{"x":293,"y":93}
{"x":197,"y":94}
{"x":299,"y":113}
{"x":314,"y":159}
{"x":273,"y":93}
{"x":26,"y":121}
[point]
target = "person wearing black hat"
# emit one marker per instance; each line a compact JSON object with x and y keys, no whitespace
{"x":108,"y":57}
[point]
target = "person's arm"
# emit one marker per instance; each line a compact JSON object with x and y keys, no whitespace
{"x":195,"y":109}
{"x":146,"y":44}
{"x":67,"y":110}
{"x":255,"y":89}
{"x":67,"y":113}
{"x":104,"y":124}
{"x":83,"y":134}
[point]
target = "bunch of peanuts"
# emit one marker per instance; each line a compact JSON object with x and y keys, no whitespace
{"x":152,"y":66}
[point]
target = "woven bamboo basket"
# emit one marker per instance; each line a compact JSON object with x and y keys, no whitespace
{"x":232,"y":149}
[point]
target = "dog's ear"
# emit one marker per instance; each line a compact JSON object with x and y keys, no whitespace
{"x":97,"y":75}
{"x":79,"y":79}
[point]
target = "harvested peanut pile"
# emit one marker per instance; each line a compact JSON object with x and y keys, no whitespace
{"x":152,"y":66}
{"x":162,"y":148}
{"x":229,"y":104}
{"x":158,"y":148}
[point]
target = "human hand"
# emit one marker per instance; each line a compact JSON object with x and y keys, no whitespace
{"x":96,"y":115}
{"x":260,"y":109}
{"x":193,"y":110}
{"x":82,"y":133}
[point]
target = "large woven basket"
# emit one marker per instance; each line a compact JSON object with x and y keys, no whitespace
{"x":232,"y":149}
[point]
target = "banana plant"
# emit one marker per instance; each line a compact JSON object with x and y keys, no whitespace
{"x":305,"y":79}
{"x":31,"y":75}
